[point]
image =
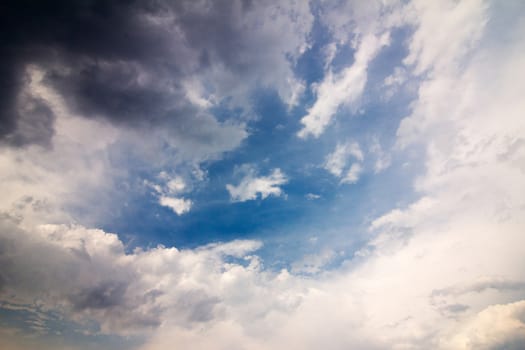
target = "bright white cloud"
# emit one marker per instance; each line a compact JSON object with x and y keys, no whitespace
{"x":169,"y":191}
{"x":434,"y":50}
{"x":178,"y":205}
{"x":341,"y":89}
{"x":252,"y":186}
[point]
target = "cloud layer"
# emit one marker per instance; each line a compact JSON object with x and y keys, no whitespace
{"x":155,"y":94}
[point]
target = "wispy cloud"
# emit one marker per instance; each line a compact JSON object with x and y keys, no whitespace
{"x":251,"y":186}
{"x":341,"y":89}
{"x":336,"y":162}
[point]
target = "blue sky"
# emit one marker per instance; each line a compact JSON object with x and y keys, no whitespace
{"x":262,"y":175}
{"x":273,"y":143}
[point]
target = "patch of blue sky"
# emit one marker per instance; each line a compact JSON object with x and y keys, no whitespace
{"x":339,"y":218}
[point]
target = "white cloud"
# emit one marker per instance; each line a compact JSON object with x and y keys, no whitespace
{"x":437,"y":50}
{"x":252,"y":186}
{"x":329,"y":51}
{"x":337,"y":161}
{"x":88,"y":276}
{"x":168,"y":191}
{"x":176,"y":185}
{"x":352,"y":174}
{"x":444,"y":272}
{"x":397,"y":78}
{"x":496,"y":327}
{"x":178,"y":205}
{"x":341,"y":89}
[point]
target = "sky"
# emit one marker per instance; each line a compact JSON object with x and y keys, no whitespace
{"x":245,"y":174}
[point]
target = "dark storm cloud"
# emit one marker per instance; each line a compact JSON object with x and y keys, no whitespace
{"x":120,"y":60}
{"x":66,"y":32}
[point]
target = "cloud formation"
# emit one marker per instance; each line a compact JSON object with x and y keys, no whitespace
{"x":337,"y":161}
{"x":441,"y":270}
{"x":341,"y":89}
{"x":251,"y":186}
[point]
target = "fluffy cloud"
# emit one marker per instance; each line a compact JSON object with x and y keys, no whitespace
{"x":168,"y":193}
{"x":87,"y":274}
{"x":496,"y":327}
{"x":443,"y":272}
{"x":251,"y":186}
{"x":178,"y":205}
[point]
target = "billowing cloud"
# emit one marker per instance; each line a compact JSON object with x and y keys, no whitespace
{"x":496,"y":327}
{"x":440,"y":270}
{"x":88,"y":275}
{"x":169,"y":192}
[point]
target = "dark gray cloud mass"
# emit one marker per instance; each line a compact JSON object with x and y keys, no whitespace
{"x":125,"y":61}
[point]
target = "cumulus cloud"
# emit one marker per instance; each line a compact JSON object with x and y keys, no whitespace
{"x":496,"y":327}
{"x":444,"y":271}
{"x":88,"y":275}
{"x":251,"y":186}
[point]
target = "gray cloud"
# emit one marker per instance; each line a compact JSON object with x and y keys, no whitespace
{"x":127,"y":61}
{"x":88,"y":277}
{"x":105,"y":295}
